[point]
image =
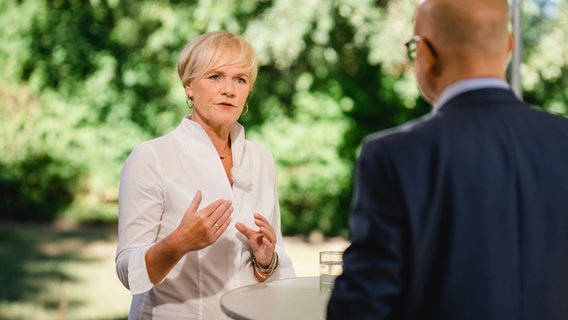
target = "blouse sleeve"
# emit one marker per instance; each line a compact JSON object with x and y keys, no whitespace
{"x":140,"y":208}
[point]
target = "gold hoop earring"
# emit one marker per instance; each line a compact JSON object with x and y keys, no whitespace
{"x":189,"y":103}
{"x":246,"y":109}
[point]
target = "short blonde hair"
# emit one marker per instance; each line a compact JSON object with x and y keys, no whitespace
{"x":215,"y":49}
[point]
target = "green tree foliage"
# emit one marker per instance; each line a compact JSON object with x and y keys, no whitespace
{"x":83,"y":82}
{"x":545,"y":66}
{"x":326,"y":90}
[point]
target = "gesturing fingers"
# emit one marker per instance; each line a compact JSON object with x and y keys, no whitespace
{"x":195,"y":203}
{"x":218,"y":216}
{"x":221,"y":218}
{"x":200,"y":229}
{"x":246,"y":231}
{"x":265,"y":227}
{"x":255,"y":238}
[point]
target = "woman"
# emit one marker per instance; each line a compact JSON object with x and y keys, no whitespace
{"x":176,"y":255}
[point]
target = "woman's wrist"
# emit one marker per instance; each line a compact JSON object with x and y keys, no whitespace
{"x":263,"y":265}
{"x":263,"y":272}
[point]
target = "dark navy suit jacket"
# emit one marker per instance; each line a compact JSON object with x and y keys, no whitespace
{"x":462,"y":214}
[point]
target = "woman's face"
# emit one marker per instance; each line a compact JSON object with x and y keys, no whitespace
{"x":220,"y":95}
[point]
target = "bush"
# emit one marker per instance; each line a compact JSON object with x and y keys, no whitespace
{"x":37,"y":188}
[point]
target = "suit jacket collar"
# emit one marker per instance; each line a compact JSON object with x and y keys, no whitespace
{"x":477,"y":97}
{"x":468,"y":85}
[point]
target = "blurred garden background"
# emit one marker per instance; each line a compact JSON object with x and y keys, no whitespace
{"x":83,"y":82}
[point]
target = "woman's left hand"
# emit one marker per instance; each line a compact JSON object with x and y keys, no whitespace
{"x":263,"y":241}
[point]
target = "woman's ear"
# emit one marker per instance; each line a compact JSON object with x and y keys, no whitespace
{"x":188,"y":91}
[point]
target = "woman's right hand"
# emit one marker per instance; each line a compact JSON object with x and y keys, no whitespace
{"x":199,"y":229}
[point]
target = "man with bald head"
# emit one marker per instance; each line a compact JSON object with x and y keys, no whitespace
{"x":461,"y":214}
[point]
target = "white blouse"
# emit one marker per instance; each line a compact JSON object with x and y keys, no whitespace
{"x":158,"y":181}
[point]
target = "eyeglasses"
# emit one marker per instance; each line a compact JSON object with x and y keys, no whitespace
{"x":411,"y":47}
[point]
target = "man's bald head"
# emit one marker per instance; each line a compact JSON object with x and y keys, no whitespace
{"x":469,"y":26}
{"x":460,"y":40}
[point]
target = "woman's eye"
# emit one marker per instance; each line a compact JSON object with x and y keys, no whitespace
{"x":242,"y":80}
{"x":214,"y":77}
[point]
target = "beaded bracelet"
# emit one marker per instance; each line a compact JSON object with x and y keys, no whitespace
{"x":265,"y":272}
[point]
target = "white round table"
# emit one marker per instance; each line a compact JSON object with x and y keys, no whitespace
{"x":293,"y":298}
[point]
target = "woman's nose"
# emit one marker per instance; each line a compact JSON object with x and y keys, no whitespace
{"x":228,"y":88}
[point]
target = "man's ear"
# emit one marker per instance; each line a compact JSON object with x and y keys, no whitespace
{"x":511,"y":45}
{"x":431,"y":58}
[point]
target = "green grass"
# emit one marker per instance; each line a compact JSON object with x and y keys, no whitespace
{"x":59,"y":273}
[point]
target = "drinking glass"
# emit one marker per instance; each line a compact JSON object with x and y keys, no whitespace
{"x":331,"y":265}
